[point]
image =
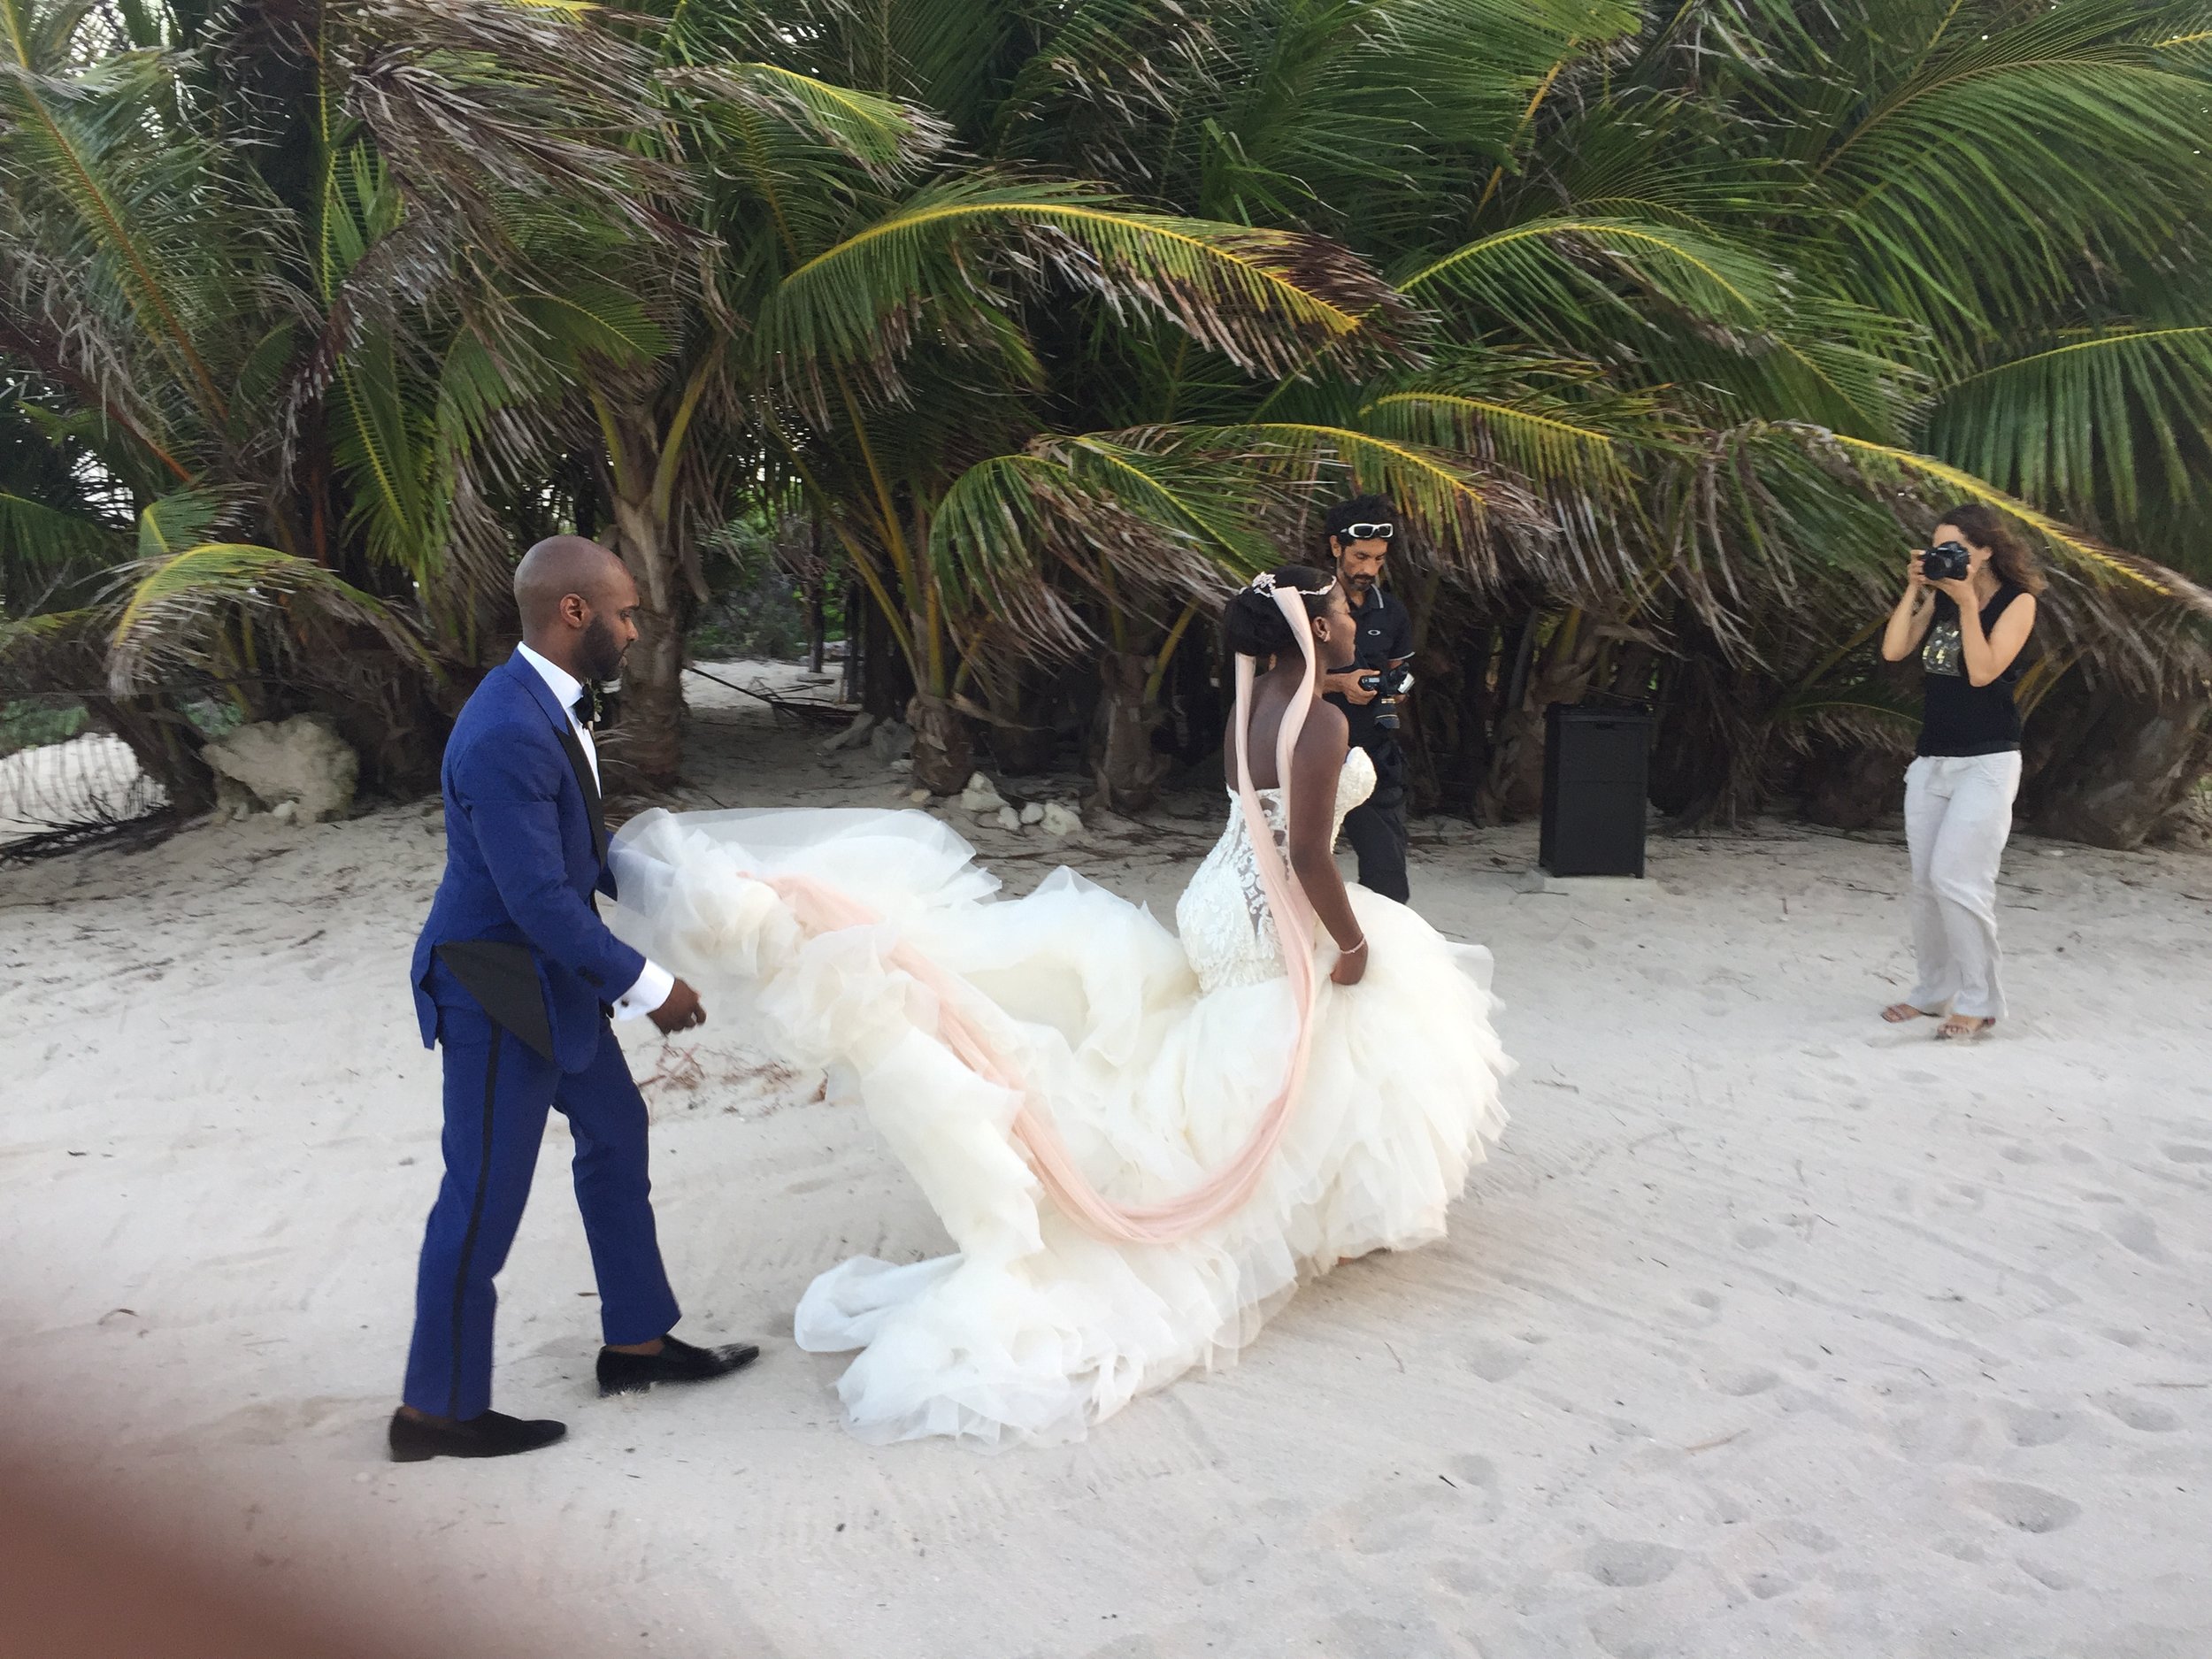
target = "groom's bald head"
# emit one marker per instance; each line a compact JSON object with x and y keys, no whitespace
{"x":557,"y":567}
{"x":577,"y":605}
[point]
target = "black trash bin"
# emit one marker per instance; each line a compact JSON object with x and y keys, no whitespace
{"x":1597,"y":765}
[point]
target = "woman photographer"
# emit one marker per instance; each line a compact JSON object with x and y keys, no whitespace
{"x":1970,"y":630}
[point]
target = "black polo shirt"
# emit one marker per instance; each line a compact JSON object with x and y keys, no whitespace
{"x":1383,"y":633}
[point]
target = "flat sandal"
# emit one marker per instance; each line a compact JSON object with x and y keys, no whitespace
{"x":1974,"y":1032}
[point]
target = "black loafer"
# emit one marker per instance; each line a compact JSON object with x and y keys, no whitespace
{"x":489,"y":1434}
{"x":676,"y":1362}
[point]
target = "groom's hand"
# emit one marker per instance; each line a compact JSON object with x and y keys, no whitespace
{"x":680,"y":1010}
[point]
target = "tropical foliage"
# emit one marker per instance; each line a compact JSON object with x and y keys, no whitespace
{"x":1668,"y":327}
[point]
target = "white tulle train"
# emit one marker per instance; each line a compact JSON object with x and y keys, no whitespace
{"x":1036,"y":1330}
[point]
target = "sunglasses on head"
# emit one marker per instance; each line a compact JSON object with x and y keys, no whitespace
{"x":1367,"y":532}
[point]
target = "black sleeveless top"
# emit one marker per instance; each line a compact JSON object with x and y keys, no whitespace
{"x":1959,"y":717}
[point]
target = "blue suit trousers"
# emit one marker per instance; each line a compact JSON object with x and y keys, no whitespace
{"x":497,"y":1092}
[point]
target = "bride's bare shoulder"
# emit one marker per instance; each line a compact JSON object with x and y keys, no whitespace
{"x":1325,"y":727}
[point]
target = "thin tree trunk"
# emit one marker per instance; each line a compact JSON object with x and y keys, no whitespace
{"x":816,"y":621}
{"x":944,"y":752}
{"x":1513,"y":785}
{"x":856,"y":607}
{"x":652,"y":722}
{"x":1124,"y":765}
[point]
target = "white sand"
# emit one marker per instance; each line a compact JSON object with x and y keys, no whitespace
{"x":1771,"y":1331}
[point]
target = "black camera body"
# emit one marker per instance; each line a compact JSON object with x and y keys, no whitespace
{"x":1945,"y":564}
{"x":1388,"y":682}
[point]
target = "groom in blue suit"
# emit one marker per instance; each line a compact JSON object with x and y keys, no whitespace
{"x":516,"y":980}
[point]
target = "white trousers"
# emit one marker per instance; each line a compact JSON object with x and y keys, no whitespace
{"x":1958,"y":811}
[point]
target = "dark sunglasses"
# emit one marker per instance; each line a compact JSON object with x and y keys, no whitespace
{"x":1367,"y":532}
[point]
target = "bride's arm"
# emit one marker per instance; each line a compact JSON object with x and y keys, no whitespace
{"x":1314,"y":771}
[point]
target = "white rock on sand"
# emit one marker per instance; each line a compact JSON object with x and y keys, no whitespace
{"x":301,"y":763}
{"x":981,"y":798}
{"x":1772,"y":1331}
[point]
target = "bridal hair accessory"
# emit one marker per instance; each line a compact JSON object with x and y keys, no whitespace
{"x":1264,"y":583}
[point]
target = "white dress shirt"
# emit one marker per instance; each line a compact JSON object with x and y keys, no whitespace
{"x":654,"y":985}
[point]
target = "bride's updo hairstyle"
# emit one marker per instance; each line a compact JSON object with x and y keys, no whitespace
{"x":1253,"y":625}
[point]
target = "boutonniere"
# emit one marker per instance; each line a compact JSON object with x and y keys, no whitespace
{"x":595,"y":705}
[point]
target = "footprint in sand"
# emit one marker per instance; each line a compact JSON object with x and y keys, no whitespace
{"x":1621,"y":1632}
{"x":1408,"y":1517}
{"x":1756,"y":1380}
{"x":1628,"y":1566}
{"x":2136,"y":1232}
{"x":1476,"y":1478}
{"x":2190,"y":1155}
{"x":1755,"y":1237}
{"x":2049,"y":1578}
{"x":1493,"y":1360}
{"x":1767,"y":1586}
{"x":2030,"y":1509}
{"x":2036,"y":1425}
{"x":2147,"y":1416}
{"x":1229,"y":1554}
{"x":1806,"y":1535}
{"x":1706,"y":1306}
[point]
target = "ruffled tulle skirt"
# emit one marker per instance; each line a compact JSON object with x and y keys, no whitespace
{"x":1034,"y":1330}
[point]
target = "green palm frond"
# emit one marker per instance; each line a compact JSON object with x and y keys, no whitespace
{"x":1138,"y":516}
{"x":77,"y":138}
{"x":1883,"y":462}
{"x":175,"y":608}
{"x":1548,"y":440}
{"x":883,"y":135}
{"x":1966,"y":190}
{"x":1568,"y":272}
{"x":797,"y":150}
{"x":1461,"y":509}
{"x":1269,"y":301}
{"x":179,"y":520}
{"x":2092,"y":420}
{"x":1215,"y":508}
{"x":37,"y":536}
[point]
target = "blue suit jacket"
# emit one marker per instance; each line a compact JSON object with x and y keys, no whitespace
{"x":521,"y":860}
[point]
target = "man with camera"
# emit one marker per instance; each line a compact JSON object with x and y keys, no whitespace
{"x":1370,"y":687}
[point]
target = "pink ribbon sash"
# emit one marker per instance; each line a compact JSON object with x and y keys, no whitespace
{"x":821,"y":908}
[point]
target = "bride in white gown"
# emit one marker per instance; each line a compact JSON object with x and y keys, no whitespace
{"x":1138,"y":1143}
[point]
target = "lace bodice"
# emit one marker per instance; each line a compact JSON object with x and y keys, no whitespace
{"x":1223,"y":918}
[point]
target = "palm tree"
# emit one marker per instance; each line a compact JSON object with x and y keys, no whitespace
{"x":867,"y":330}
{"x":278,"y":279}
{"x":1668,"y":325}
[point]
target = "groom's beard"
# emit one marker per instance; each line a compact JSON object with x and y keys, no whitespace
{"x":602,"y":654}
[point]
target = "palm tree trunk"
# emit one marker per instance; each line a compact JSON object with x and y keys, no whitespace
{"x":944,"y":750}
{"x":2130,"y":766}
{"x":1125,"y":764}
{"x":1513,"y":783}
{"x":652,"y":720}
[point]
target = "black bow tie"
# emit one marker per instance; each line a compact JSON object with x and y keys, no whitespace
{"x":594,"y":706}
